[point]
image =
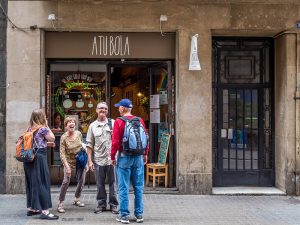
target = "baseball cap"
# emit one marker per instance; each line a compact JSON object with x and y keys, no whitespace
{"x":125,"y":102}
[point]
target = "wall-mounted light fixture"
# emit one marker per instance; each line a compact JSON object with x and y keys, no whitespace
{"x":162,"y":18}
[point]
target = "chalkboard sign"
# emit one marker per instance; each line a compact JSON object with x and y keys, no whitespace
{"x":163,"y":150}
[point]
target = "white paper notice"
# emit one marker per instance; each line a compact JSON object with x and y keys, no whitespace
{"x":163,"y":98}
{"x":154,"y":115}
{"x":154,"y":101}
{"x":194,"y":60}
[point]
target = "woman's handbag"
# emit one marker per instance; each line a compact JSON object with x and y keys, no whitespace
{"x":81,"y":161}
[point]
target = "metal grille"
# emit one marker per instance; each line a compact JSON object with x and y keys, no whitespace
{"x":242,"y":107}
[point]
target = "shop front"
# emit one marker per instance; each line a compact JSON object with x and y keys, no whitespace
{"x":109,"y":67}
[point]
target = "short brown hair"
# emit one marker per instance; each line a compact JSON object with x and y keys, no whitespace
{"x":68,"y":119}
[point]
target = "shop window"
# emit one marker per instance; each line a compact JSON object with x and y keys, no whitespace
{"x":76,"y":89}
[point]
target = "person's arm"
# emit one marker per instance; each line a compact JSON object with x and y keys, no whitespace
{"x":145,"y":156}
{"x":90,"y":141}
{"x":116,"y":140}
{"x":62,"y":152}
{"x":50,"y":136}
{"x":90,"y":161}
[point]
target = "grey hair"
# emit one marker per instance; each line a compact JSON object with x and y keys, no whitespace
{"x":102,"y":103}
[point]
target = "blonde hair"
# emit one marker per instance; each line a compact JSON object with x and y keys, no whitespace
{"x":38,"y":118}
{"x":68,"y":119}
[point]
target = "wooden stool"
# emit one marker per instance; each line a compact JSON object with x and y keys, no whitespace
{"x":157,"y":170}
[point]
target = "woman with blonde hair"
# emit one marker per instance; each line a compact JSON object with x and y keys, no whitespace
{"x":70,"y":145}
{"x":37,"y":175}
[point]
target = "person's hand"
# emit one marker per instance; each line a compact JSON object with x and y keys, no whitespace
{"x":145,"y":158}
{"x":51,"y":144}
{"x":68,"y":171}
{"x":91,"y":166}
{"x":113,"y":162}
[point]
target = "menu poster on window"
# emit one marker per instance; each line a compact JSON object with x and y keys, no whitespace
{"x":154,"y":115}
{"x":154,"y":101}
{"x":163,"y":98}
{"x":162,"y":128}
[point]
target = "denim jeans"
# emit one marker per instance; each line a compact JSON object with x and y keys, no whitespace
{"x":130,"y":167}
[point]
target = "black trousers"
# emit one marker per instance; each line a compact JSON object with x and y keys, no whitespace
{"x":101,"y":172}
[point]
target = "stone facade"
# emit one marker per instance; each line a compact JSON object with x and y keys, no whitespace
{"x":3,"y":28}
{"x":276,"y":18}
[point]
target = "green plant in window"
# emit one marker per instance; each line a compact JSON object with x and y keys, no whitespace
{"x":145,"y":103}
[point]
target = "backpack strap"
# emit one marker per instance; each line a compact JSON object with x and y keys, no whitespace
{"x":109,"y":123}
{"x":125,"y":119}
{"x":33,"y":131}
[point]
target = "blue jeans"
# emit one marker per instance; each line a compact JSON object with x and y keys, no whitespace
{"x":130,"y":167}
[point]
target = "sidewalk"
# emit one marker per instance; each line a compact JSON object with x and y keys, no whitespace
{"x":172,"y":209}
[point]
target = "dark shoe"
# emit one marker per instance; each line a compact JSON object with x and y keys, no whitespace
{"x":139,"y":218}
{"x":114,"y":209}
{"x":123,"y":219}
{"x":48,"y":216}
{"x":32,"y":213}
{"x":99,"y":209}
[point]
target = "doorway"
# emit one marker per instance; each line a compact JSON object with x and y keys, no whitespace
{"x":151,"y":87}
{"x":243,"y":112}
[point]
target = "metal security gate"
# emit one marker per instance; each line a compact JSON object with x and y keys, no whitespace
{"x":243,"y":118}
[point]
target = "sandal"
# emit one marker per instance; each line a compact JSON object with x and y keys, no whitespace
{"x":32,"y":213}
{"x":48,"y":216}
{"x":79,"y":203}
{"x":60,"y":208}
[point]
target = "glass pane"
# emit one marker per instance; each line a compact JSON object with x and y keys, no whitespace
{"x":254,"y":109}
{"x":255,"y":164}
{"x":232,"y":164}
{"x":232,"y":108}
{"x":247,"y":164}
{"x":255,"y":155}
{"x":225,"y":153}
{"x":247,"y":154}
{"x":225,"y":164}
{"x":248,"y":108}
{"x":240,"y":165}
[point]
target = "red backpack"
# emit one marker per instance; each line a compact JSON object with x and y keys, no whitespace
{"x":24,"y":146}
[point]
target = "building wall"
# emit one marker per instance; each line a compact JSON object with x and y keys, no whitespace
{"x":285,"y":80}
{"x":3,"y":28}
{"x":193,"y":101}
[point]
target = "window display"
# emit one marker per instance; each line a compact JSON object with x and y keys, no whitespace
{"x":77,"y":94}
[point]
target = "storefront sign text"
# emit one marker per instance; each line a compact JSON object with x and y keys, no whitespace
{"x":111,"y":46}
{"x":77,"y":79}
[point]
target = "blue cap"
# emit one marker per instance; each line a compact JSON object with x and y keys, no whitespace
{"x":125,"y":102}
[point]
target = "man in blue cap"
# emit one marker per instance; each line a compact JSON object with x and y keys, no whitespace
{"x":129,"y":165}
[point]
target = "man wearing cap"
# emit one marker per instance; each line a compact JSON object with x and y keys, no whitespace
{"x":128,"y":166}
{"x":98,"y":142}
